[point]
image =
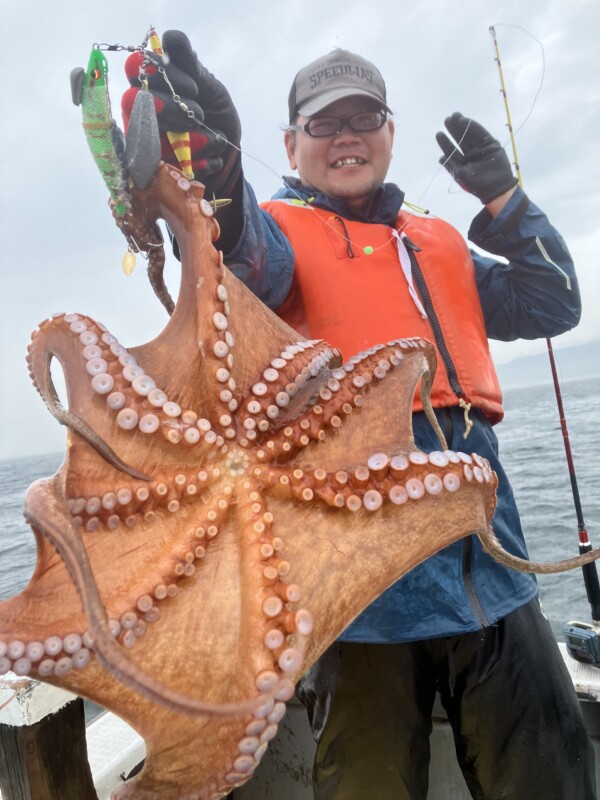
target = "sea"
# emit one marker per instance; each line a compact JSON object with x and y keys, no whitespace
{"x":531,"y":449}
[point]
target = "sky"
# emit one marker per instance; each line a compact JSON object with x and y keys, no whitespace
{"x":60,"y":249}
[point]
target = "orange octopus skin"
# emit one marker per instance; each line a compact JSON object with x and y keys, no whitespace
{"x":231,"y":499}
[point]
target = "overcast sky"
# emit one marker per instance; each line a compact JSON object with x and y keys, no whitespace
{"x":60,"y":249}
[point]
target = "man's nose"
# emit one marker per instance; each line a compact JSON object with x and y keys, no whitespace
{"x":345,"y":129}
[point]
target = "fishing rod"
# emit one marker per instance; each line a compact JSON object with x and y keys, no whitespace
{"x":583,"y":640}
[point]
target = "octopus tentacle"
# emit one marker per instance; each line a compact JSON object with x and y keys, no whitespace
{"x":284,"y":395}
{"x":106,"y":505}
{"x":426,"y":384}
{"x":492,"y":545}
{"x":77,"y":425}
{"x":335,"y":395}
{"x":156,"y":267}
{"x":382,"y":480}
{"x":45,"y":509}
{"x":42,"y":380}
{"x":115,"y":376}
{"x":144,"y":236}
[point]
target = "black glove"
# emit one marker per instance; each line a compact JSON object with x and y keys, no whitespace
{"x":214,"y":161}
{"x":477,"y":161}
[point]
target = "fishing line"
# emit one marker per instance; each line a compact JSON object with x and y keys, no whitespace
{"x":443,"y":165}
{"x":542,"y":78}
{"x":512,"y":133}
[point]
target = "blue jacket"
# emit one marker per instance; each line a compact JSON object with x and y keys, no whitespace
{"x":531,"y":293}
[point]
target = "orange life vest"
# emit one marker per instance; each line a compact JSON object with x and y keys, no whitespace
{"x":354,"y":300}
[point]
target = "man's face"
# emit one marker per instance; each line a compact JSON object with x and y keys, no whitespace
{"x":349,"y":165}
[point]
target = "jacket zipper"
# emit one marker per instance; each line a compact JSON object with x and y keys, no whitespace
{"x":433,"y":320}
{"x":457,"y":389}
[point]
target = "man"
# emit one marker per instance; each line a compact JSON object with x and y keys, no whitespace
{"x":336,"y":256}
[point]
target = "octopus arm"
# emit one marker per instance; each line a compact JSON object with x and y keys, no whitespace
{"x":46,"y":510}
{"x":492,"y":546}
{"x":382,"y":378}
{"x":156,"y":266}
{"x":426,"y":384}
{"x":41,"y":353}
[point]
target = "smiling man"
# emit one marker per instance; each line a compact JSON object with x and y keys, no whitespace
{"x":341,"y":164}
{"x":338,"y":257}
{"x":331,"y":156}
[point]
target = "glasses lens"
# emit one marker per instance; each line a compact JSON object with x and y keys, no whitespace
{"x":324,"y":126}
{"x":367,"y":121}
{"x":362,"y":122}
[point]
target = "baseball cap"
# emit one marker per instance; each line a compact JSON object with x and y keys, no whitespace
{"x":331,"y":77}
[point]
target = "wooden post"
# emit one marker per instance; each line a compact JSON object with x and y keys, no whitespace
{"x":43,"y":752}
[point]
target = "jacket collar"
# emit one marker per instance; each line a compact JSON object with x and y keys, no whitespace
{"x":383,"y":208}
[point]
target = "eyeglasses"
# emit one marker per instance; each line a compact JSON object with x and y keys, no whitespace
{"x":363,"y":122}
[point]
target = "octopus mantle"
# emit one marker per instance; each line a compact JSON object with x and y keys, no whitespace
{"x":231,"y":498}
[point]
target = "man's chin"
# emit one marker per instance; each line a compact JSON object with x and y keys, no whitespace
{"x":353,"y":194}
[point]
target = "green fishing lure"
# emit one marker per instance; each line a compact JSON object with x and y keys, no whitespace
{"x":104,"y":137}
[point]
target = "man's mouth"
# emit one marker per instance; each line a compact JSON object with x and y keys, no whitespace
{"x":351,"y":161}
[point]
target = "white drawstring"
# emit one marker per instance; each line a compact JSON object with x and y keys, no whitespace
{"x":407,"y":270}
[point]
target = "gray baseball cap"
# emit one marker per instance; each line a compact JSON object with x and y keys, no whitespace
{"x":331,"y":77}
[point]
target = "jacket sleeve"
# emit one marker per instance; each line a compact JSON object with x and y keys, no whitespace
{"x":263,"y":258}
{"x":535,"y":294}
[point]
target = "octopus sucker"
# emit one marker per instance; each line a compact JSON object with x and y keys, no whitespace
{"x":231,"y":498}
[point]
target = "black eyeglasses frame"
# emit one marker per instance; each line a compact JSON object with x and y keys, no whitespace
{"x":342,"y":121}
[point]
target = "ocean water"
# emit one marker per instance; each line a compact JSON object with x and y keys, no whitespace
{"x":533,"y":453}
{"x":531,"y":448}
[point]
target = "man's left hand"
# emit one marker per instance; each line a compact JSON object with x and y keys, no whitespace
{"x":477,"y":161}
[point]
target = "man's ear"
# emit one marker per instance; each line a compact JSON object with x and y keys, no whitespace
{"x":289,"y":140}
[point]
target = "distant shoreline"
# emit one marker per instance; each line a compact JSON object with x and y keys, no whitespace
{"x":508,"y":386}
{"x":572,"y":363}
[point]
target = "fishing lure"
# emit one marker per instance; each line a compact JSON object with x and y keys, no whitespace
{"x":179,"y":141}
{"x":104,"y":137}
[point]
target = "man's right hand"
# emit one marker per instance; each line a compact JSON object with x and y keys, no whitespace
{"x":211,"y":119}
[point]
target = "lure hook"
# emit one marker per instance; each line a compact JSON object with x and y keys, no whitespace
{"x":113,"y":48}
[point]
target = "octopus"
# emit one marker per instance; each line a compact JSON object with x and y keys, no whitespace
{"x":232,"y":497}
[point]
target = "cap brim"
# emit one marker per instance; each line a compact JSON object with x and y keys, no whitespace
{"x":325,"y":99}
